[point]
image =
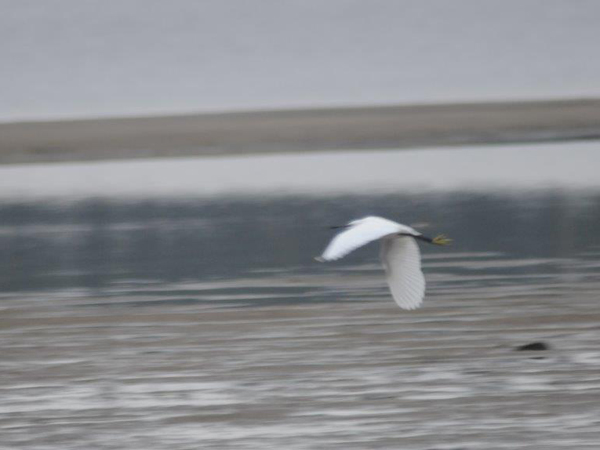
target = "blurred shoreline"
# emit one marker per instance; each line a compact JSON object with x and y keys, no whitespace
{"x":239,"y":133}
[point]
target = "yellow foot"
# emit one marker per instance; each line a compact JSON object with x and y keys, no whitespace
{"x":441,"y":240}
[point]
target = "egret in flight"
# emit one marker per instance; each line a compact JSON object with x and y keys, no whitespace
{"x":399,"y":254}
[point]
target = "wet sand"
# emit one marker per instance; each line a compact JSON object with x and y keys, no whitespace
{"x":239,"y":351}
{"x":299,"y":130}
{"x":213,"y":328}
{"x":350,"y":375}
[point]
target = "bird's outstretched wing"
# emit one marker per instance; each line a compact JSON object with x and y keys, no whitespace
{"x":359,"y":233}
{"x":402,"y":262}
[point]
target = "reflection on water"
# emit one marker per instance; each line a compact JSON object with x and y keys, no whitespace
{"x":207,"y":324}
{"x":105,"y":245}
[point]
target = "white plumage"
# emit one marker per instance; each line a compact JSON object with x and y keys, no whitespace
{"x":401,"y":260}
{"x":399,"y":254}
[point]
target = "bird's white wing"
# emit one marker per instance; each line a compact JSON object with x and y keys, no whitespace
{"x":402,"y":261}
{"x":359,"y":233}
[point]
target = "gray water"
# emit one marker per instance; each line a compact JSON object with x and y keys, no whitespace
{"x":74,"y":58}
{"x":207,"y":324}
{"x":102,"y":245}
{"x":135,"y":314}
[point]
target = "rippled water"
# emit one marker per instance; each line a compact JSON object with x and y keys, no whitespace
{"x":205,"y":323}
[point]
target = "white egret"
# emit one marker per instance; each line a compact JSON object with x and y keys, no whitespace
{"x":399,"y":254}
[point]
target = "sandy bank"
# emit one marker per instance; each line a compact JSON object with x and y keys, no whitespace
{"x":299,"y":130}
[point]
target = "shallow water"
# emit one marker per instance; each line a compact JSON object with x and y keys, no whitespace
{"x":145,"y":322}
{"x":121,"y":330}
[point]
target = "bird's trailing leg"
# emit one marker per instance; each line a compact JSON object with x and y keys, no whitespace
{"x":441,"y":239}
{"x":438,"y":240}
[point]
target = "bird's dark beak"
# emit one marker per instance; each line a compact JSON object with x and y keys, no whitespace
{"x":335,"y":227}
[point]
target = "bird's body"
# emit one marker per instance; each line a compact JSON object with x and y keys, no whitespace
{"x":400,"y":254}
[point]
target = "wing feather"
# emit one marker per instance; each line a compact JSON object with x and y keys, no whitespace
{"x":359,"y":233}
{"x":401,"y":259}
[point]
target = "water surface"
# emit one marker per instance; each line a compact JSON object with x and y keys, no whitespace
{"x":133,"y":321}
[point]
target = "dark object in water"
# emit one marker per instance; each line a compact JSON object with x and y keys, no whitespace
{"x":534,"y":346}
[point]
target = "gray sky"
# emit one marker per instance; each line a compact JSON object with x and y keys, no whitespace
{"x":92,"y":57}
